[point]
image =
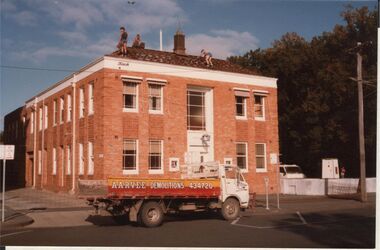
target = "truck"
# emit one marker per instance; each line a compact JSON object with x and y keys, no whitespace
{"x":202,"y":187}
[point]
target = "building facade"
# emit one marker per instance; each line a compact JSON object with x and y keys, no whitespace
{"x":145,"y":116}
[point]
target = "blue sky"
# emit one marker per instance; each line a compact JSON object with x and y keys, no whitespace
{"x":68,"y":34}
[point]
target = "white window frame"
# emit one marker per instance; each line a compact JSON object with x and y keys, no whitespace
{"x":263,"y":97}
{"x":241,"y":117}
{"x":90,"y":154}
{"x":243,"y":170}
{"x":81,"y":102}
{"x":171,"y":168}
{"x":261,"y":170}
{"x":81,"y":159}
{"x":55,"y":112}
{"x":132,"y":171}
{"x":204,"y":105}
{"x":46,"y":118}
{"x":68,"y":160}
{"x":40,"y":118}
{"x":135,"y":109}
{"x":32,"y":122}
{"x":91,"y":98}
{"x":161,"y":110}
{"x":161,"y":170}
{"x":39,"y":162}
{"x":69,"y":108}
{"x":62,"y":154}
{"x":54,"y":172}
{"x":61,"y":109}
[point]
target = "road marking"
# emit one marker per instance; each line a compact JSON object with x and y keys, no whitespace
{"x":6,"y":235}
{"x":301,"y":218}
{"x":235,"y":221}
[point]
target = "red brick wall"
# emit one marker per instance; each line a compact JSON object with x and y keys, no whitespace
{"x":109,"y":125}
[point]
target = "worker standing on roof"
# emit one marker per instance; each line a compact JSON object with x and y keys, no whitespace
{"x":208,"y":57}
{"x":122,"y":45}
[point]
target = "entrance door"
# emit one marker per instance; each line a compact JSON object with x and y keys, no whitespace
{"x":200,"y":129}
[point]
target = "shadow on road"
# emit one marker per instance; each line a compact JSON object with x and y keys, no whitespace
{"x":337,"y":230}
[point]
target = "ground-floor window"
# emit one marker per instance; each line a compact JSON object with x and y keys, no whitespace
{"x":241,"y":155}
{"x":260,"y":150}
{"x":155,"y":155}
{"x":81,"y":159}
{"x":130,"y":154}
{"x":54,"y":172}
{"x":90,"y":151}
{"x":68,"y":160}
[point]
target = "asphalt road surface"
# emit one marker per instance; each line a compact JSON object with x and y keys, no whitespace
{"x":343,"y":228}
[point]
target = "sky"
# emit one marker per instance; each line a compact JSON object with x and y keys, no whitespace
{"x":42,"y":41}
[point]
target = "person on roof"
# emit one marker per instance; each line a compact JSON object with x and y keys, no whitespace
{"x":208,"y":57}
{"x":122,"y":45}
{"x":137,"y":41}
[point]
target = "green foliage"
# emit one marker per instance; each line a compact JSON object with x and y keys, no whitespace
{"x":317,"y":102}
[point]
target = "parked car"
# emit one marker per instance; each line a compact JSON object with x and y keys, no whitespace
{"x":291,"y":171}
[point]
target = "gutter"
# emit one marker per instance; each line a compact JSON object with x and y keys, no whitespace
{"x":72,"y":191}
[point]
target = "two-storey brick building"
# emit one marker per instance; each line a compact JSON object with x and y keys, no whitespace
{"x":145,"y":115}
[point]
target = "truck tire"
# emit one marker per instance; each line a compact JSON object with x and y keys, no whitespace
{"x":151,"y":214}
{"x":230,"y":209}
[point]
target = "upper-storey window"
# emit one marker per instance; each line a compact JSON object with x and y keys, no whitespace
{"x":81,"y":102}
{"x":61,"y":109}
{"x":69,"y":108}
{"x":32,"y":122}
{"x":259,"y":105}
{"x":130,"y":96}
{"x":155,"y":98}
{"x":241,"y":103}
{"x":40,"y":118}
{"x":196,"y":110}
{"x":90,"y":98}
{"x":55,"y":111}
{"x":46,"y":120}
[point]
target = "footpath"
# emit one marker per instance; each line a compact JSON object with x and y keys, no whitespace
{"x":32,"y":208}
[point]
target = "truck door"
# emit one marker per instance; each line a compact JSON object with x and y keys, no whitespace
{"x":235,"y":185}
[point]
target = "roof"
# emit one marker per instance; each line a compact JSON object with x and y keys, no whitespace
{"x":182,"y":60}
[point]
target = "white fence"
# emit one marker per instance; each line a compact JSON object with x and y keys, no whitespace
{"x":324,"y":186}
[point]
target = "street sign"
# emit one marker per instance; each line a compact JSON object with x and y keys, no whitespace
{"x":273,"y":158}
{"x":7,"y":152}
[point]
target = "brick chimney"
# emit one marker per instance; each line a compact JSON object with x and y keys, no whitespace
{"x":179,"y":43}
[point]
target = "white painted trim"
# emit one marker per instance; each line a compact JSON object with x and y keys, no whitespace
{"x":157,"y":112}
{"x":241,"y":89}
{"x":258,"y":92}
{"x":230,"y":159}
{"x":242,"y":117}
{"x":155,"y":80}
{"x":158,"y":171}
{"x":187,"y":72}
{"x":136,"y":109}
{"x":260,"y":119}
{"x":128,"y":77}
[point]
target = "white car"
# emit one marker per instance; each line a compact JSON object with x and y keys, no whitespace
{"x":291,"y":171}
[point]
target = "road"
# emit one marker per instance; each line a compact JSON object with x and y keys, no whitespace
{"x":351,"y":227}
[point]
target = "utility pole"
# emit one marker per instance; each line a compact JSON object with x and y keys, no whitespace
{"x":362,"y":181}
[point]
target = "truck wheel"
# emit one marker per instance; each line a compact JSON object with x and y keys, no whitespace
{"x":230,"y":209}
{"x":151,"y":214}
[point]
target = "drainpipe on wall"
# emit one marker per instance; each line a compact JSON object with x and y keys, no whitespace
{"x":34,"y":141}
{"x":72,"y":191}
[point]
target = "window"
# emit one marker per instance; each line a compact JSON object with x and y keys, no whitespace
{"x":62,"y":155}
{"x":130,"y":156}
{"x":46,"y":120}
{"x":81,"y":159}
{"x":130,"y":96}
{"x":32,"y":122}
{"x":39,"y":162}
{"x":61,"y":109}
{"x":240,"y":107}
{"x":40,"y":120}
{"x":68,"y":160}
{"x":54,"y":161}
{"x":155,"y":156}
{"x":90,"y":158}
{"x":241,"y":96}
{"x":69,"y":108}
{"x":55,"y":110}
{"x":90,"y":99}
{"x":155,"y":98}
{"x":81,"y":102}
{"x":260,"y":157}
{"x":196,"y":110}
{"x":259,"y":107}
{"x":241,"y":155}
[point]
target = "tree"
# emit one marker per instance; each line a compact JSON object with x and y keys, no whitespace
{"x":317,"y":102}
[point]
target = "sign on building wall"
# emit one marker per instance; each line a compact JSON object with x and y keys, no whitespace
{"x":7,"y":152}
